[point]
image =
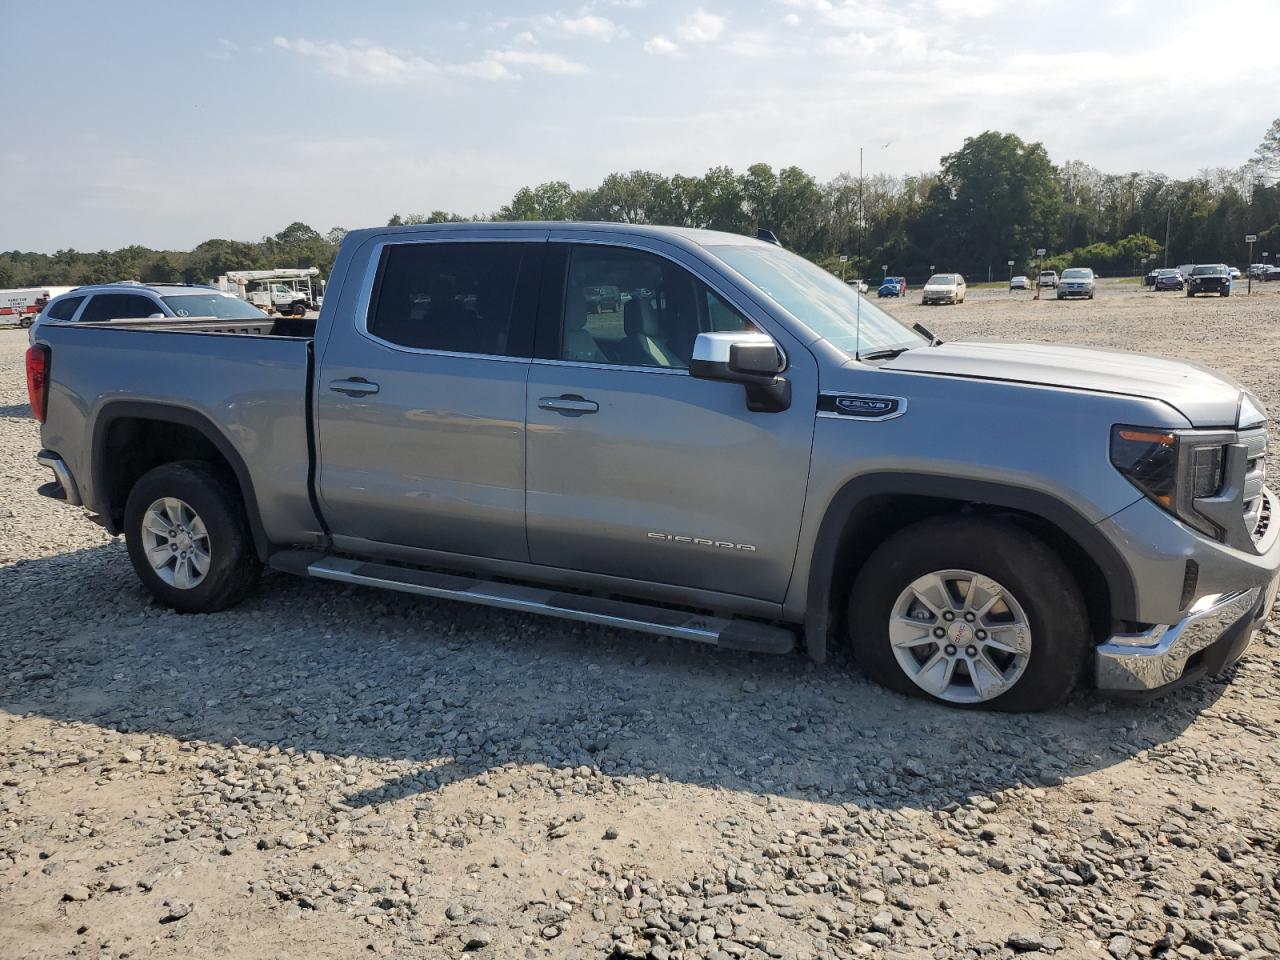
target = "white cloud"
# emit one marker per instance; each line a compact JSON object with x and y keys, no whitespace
{"x":791,"y":20}
{"x":969,"y":9}
{"x":366,"y":62}
{"x":361,"y":60}
{"x":661,"y":46}
{"x":701,"y":27}
{"x":592,"y":26}
{"x":546,"y":62}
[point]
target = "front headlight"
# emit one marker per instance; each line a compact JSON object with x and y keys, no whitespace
{"x":1173,"y":468}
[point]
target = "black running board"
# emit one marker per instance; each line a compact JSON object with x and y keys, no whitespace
{"x":724,"y":632}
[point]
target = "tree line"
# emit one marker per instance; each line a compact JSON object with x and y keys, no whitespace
{"x":996,"y":198}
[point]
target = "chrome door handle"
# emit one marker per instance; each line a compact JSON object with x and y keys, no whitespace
{"x":571,"y":405}
{"x":355,"y":387}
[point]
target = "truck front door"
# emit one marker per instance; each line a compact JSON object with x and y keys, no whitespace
{"x":635,"y":468}
{"x":420,"y":397}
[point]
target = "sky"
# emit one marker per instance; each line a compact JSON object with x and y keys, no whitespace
{"x":165,"y":124}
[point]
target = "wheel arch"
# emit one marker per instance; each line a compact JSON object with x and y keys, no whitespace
{"x":188,"y":434}
{"x":870,"y":508}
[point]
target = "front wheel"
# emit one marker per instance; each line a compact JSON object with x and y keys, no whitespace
{"x":971,"y":613}
{"x":188,"y":537}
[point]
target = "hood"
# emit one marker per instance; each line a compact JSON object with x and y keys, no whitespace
{"x":1205,"y":398}
{"x":940,"y":286}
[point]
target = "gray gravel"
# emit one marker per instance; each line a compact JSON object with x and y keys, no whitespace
{"x":330,"y":772}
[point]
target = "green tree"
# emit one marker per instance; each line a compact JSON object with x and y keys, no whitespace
{"x":1267,"y":157}
{"x":998,"y":198}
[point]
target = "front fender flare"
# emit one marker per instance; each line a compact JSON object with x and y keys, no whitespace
{"x":853,"y":502}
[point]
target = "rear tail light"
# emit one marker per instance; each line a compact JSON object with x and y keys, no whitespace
{"x":38,"y":380}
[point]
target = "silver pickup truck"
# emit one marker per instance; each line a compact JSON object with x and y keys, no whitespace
{"x":732,"y":447}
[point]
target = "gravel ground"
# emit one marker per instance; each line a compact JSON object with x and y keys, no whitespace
{"x":330,"y":772}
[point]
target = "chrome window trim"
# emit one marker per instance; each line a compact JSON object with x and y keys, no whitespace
{"x":371,"y":275}
{"x":633,"y":368}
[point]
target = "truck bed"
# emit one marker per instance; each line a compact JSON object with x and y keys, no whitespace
{"x":245,"y":380}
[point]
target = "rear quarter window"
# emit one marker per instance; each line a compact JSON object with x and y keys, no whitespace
{"x":64,"y":309}
{"x":118,"y":306}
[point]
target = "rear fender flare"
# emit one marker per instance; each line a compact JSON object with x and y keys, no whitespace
{"x":168,"y":413}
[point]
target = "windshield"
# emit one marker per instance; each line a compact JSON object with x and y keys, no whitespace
{"x":1077,"y":273}
{"x":1047,"y":273}
{"x":818,"y":299}
{"x":213,"y":304}
{"x":941,"y":280}
{"x":1209,"y":270}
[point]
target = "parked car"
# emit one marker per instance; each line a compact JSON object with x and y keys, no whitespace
{"x":859,"y":285}
{"x":1235,"y":272}
{"x":119,"y":301}
{"x":1125,"y":536}
{"x":1271,"y":273}
{"x":944,"y":288}
{"x":1169,"y":279}
{"x":1256,"y":270}
{"x":1210,"y":278}
{"x":1076,"y":282}
{"x":892,"y":287}
{"x":1020,"y":283}
{"x":1150,"y":279}
{"x":1185,"y":269}
{"x":1048,"y":278}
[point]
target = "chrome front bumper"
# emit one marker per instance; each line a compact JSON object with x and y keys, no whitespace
{"x":1138,"y":662}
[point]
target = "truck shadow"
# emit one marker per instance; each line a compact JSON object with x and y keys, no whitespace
{"x":430,"y":693}
{"x":16,"y":410}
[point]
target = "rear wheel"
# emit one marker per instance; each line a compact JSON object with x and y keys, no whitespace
{"x":188,"y":537}
{"x":971,"y":613}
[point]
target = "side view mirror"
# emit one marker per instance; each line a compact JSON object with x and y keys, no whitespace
{"x":751,"y":359}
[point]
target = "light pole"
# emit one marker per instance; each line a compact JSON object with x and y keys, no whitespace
{"x":1250,"y":239}
{"x":1039,"y":268}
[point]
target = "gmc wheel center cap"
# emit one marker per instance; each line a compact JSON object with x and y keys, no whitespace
{"x":960,"y":633}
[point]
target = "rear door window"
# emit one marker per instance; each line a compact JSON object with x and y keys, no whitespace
{"x":65,"y":309}
{"x":118,"y":306}
{"x":456,"y":297}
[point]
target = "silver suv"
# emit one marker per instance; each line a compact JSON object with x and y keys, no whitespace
{"x":1076,"y":282}
{"x":135,"y":301}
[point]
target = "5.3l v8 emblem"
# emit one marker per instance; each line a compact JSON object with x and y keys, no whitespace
{"x":861,"y":406}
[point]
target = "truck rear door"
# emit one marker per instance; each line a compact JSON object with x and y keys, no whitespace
{"x":420,"y":396}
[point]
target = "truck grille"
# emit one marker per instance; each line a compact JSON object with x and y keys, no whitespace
{"x":1257,"y":514}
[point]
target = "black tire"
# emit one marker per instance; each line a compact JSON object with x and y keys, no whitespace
{"x":1020,"y":562}
{"x":298,"y":309}
{"x":1225,"y":293}
{"x":214,"y":496}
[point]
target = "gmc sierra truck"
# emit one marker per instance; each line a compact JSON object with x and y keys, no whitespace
{"x":736,"y":449}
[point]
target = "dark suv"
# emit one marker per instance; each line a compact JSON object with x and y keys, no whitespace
{"x":1209,"y":278}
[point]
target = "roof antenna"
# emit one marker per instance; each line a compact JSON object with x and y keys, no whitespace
{"x":767,"y":236}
